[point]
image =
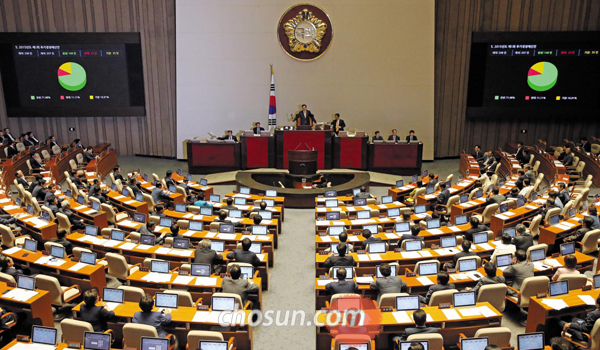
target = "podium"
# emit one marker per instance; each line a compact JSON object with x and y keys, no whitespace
{"x":303,"y":162}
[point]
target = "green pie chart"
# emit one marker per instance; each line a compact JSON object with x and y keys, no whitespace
{"x":72,"y":76}
{"x":542,"y":76}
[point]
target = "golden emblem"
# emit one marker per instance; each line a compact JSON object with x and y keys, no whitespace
{"x":305,"y":32}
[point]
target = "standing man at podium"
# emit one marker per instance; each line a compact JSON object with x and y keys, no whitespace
{"x":337,"y":124}
{"x":305,"y":117}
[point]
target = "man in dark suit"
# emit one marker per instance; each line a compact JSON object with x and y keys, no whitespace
{"x":520,"y":179}
{"x":238,"y":286}
{"x":245,"y":255}
{"x":578,"y":326}
{"x":342,"y":285}
{"x":363,"y":193}
{"x":442,"y":284}
{"x":76,"y":223}
{"x":117,"y":174}
{"x":39,"y":192}
{"x":21,"y":179}
{"x":369,"y":238}
{"x":174,"y":233}
{"x":387,"y":283}
{"x":585,"y":145}
{"x":475,"y":228}
{"x":32,"y":137}
{"x":205,"y":255}
{"x":304,"y":117}
{"x":563,"y":193}
{"x":60,"y":239}
{"x":96,"y":191}
{"x":568,"y":158}
{"x":394,"y":136}
{"x":229,"y":136}
{"x":338,"y":124}
{"x":169,"y":179}
{"x":52,"y":141}
{"x":152,"y":318}
{"x":377,"y":136}
{"x":529,"y":173}
{"x":478,"y":154}
{"x":257,"y":128}
{"x":466,"y":251}
{"x":11,"y":149}
{"x":518,"y":272}
{"x":411,"y":136}
{"x":133,"y":184}
{"x":7,"y":266}
{"x":519,"y":152}
{"x":420,"y":318}
{"x":158,"y":195}
{"x":26,"y":141}
{"x":88,"y":155}
{"x":413,"y":235}
{"x":444,"y":194}
{"x":490,"y":278}
{"x":8,"y":135}
{"x":496,"y":197}
{"x":97,"y":316}
{"x":76,"y":180}
{"x":341,"y":259}
{"x":588,"y":222}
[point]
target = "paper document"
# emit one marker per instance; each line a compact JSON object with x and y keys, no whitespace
{"x":183,"y":279}
{"x":162,"y":250}
{"x":470,"y":312}
{"x":402,"y":317}
{"x":435,"y":231}
{"x":229,"y":236}
{"x":454,"y":229}
{"x":362,"y":257}
{"x":11,"y":250}
{"x":485,"y":246}
{"x":364,"y":280}
{"x":410,"y":255}
{"x":375,"y":257}
{"x":326,"y":239}
{"x":391,"y":236}
{"x":451,"y":314}
{"x":77,"y":267}
{"x":424,"y":280}
{"x":587,"y":299}
{"x":556,"y":304}
{"x":425,"y":253}
{"x":206,"y":281}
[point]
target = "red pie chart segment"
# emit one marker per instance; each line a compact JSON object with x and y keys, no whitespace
{"x":533,"y":72}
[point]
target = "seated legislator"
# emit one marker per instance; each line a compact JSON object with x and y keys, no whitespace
{"x":442,"y":284}
{"x":568,"y":158}
{"x":420,"y":318}
{"x":152,"y":318}
{"x":593,"y":213}
{"x":466,"y":251}
{"x":337,"y":124}
{"x":21,"y":179}
{"x":489,"y":278}
{"x":518,"y":271}
{"x":527,"y":188}
{"x":495,"y":197}
{"x":76,"y":223}
{"x":205,"y":255}
{"x":504,"y":246}
{"x":520,"y":150}
{"x":257,"y":128}
{"x":117,"y":173}
{"x":478,"y":154}
{"x":304,"y":117}
{"x":173,"y":234}
{"x":60,"y":239}
{"x":514,"y":193}
{"x":523,"y":239}
{"x":7,"y":266}
{"x":411,"y":136}
{"x":341,"y":259}
{"x":557,"y":201}
{"x":36,"y":166}
{"x":229,"y":136}
{"x":158,"y":194}
{"x":577,"y":326}
{"x":97,"y":316}
{"x":135,"y":188}
{"x":432,"y":179}
{"x":88,"y":155}
{"x":32,"y":137}
{"x":368,"y":236}
{"x":563,"y":193}
{"x":444,"y":194}
{"x":410,"y":199}
{"x":529,"y":172}
{"x":387,"y":283}
{"x":11,"y":149}
{"x":476,"y":227}
{"x":342,"y":285}
{"x":245,"y":255}
{"x":238,"y":286}
{"x":343,"y":238}
{"x":377,"y":137}
{"x":413,"y":235}
{"x":578,"y":235}
{"x":169,"y":179}
{"x":405,"y":217}
{"x":201,"y":201}
{"x":584,"y":145}
{"x":96,"y":191}
{"x":569,"y":269}
{"x":363,"y":193}
{"x":261,"y":206}
{"x":229,"y":202}
{"x":394,"y":136}
{"x":521,"y":177}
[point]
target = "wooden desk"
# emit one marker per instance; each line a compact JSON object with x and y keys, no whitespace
{"x":539,"y":313}
{"x":40,"y":232}
{"x":87,"y":214}
{"x":127,"y":204}
{"x":212,"y":157}
{"x":257,"y":152}
{"x":103,"y":166}
{"x":59,"y":164}
{"x":386,"y":223}
{"x":251,"y":198}
{"x":514,"y":217}
{"x":182,"y":322}
{"x":508,"y":164}
{"x":193,"y":185}
{"x":400,"y":193}
{"x":352,"y":210}
{"x":592,"y":166}
{"x":549,"y":234}
{"x":400,"y":159}
{"x":319,"y":140}
{"x":549,"y":166}
{"x":465,"y":186}
{"x":147,"y":187}
{"x":38,"y":306}
{"x":476,"y":205}
{"x":350,"y":152}
{"x":468,"y":165}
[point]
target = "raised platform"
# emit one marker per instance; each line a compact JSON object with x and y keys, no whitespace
{"x":295,"y":195}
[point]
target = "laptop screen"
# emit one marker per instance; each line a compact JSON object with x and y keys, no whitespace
{"x":216,"y":198}
{"x":467,"y":265}
{"x":331,"y":203}
{"x":597,"y":281}
{"x":349,"y":272}
{"x":244,"y":190}
{"x":412,"y":245}
{"x":218,"y":246}
{"x":479,"y":193}
{"x":408,"y":303}
{"x":400,"y":183}
{"x":225,"y":228}
{"x":96,"y":205}
{"x":259,"y":230}
{"x":159,"y":266}
{"x":88,"y":258}
{"x":429,"y":190}
{"x":44,"y":335}
{"x":208,"y":211}
{"x":57,"y":252}
{"x":537,"y":254}
{"x":30,"y":245}
{"x":200,"y":270}
{"x":428,"y":269}
{"x":405,"y":345}
{"x":267,"y":215}
{"x":270,"y":202}
{"x":461,"y":219}
{"x":203,"y":182}
{"x":433,"y":224}
{"x":125,"y":192}
{"x":239,"y":201}
{"x":223,"y":303}
{"x":376,"y":248}
{"x":354,"y":346}
{"x":247,"y":272}
{"x":139,"y":217}
{"x":464,"y":198}
{"x":392,"y":273}
{"x":212,"y":345}
{"x":167,"y":300}
{"x":448,"y":242}
{"x":531,"y":341}
{"x":463,"y":299}
{"x":512,"y":231}
{"x":68,"y":193}
{"x":503,"y":260}
{"x":387,"y":199}
{"x":45,"y":216}
{"x":234,"y":213}
{"x":139,"y":197}
{"x":271,"y":193}
{"x":503,"y":207}
{"x":479,"y":238}
{"x":402,"y":227}
{"x":96,"y":341}
{"x":147,"y":239}
{"x":393,"y":212}
{"x":335,"y":230}
{"x":154,"y":344}
{"x":330,"y":193}
{"x":91,"y":230}
{"x":165,"y":222}
{"x":473,"y":343}
{"x":567,"y":248}
{"x":180,"y":207}
{"x":332,"y":215}
{"x":372,"y":228}
{"x":113,"y":295}
{"x":559,"y":288}
{"x":256,"y":247}
{"x":80,"y":200}
{"x":415,"y":178}
{"x":534,"y":196}
{"x":25,"y":282}
{"x":419,"y":209}
{"x":196,"y":226}
{"x":113,"y":187}
{"x":117,"y":235}
{"x":554,"y":219}
{"x":360,"y":201}
{"x":181,"y":243}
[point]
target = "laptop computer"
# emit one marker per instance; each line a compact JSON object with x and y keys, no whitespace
{"x":203,"y":181}
{"x":196,"y":226}
{"x":234,"y":214}
{"x":139,"y":197}
{"x":166,"y":300}
{"x":433,"y":224}
{"x":413,"y":245}
{"x":349,"y":272}
{"x":400,"y":183}
{"x":148,"y":343}
{"x":467,"y":265}
{"x":271,"y":193}
{"x":531,"y":341}
{"x":30,"y":245}
{"x":180,"y":208}
{"x":244,"y":190}
{"x":596,"y":279}
{"x":331,"y":203}
{"x":165,"y":222}
{"x":225,"y":227}
{"x":332,"y":215}
{"x":96,"y":341}
{"x":503,"y":207}
{"x":266,"y":214}
{"x":537,"y":254}
{"x":247,"y":272}
{"x":218,"y":246}
{"x":402,"y":227}
{"x":181,"y":243}
{"x":57,"y":252}
{"x":408,"y":303}
{"x":512,"y":231}
{"x":392,"y":271}
{"x":503,"y":260}
{"x":44,"y":337}
{"x":331,"y":193}
{"x":372,"y":228}
{"x":448,"y":242}
{"x":139,"y":217}
{"x":25,"y":282}
{"x":405,"y":345}
{"x":559,"y":288}
{"x":393,"y":212}
{"x":202,"y":270}
{"x":377,"y":247}
{"x":117,"y":235}
{"x":88,"y":258}
{"x":428,"y":269}
{"x":461,"y":299}
{"x":91,"y":230}
{"x":554,"y":219}
{"x":256,"y":247}
{"x":146,"y":239}
{"x":363,"y":346}
{"x":213,"y":345}
{"x":387,"y":199}
{"x":270,"y":202}
{"x":259,"y":230}
{"x":159,"y":266}
{"x":474,"y":343}
{"x":481,"y":237}
{"x":461,"y":219}
{"x":239,"y":201}
{"x":464,"y":198}
{"x":113,"y":295}
{"x":208,"y":211}
{"x":223,"y":303}
{"x":335,"y":230}
{"x":567,"y":248}
{"x":216,"y":198}
{"x":360,"y":202}
{"x":420,"y":209}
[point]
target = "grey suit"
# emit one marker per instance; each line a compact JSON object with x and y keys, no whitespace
{"x":339,"y":261}
{"x":518,"y":273}
{"x":417,"y":330}
{"x":497,"y":199}
{"x":244,"y":256}
{"x":390,"y":284}
{"x":443,"y":197}
{"x":523,"y":242}
{"x":435,"y":288}
{"x":153,"y":318}
{"x":486,"y":280}
{"x":159,"y":195}
{"x":346,"y":286}
{"x":240,"y":287}
{"x":207,"y":256}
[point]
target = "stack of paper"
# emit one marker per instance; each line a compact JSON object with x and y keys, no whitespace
{"x":128,"y":223}
{"x":459,"y":276}
{"x":111,"y":306}
{"x":454,"y":228}
{"x":587,"y":299}
{"x":127,"y":246}
{"x":402,"y":317}
{"x":206,"y":281}
{"x":470,"y":312}
{"x":157,"y":277}
{"x":485,"y":246}
{"x":11,"y":250}
{"x":20,"y":294}
{"x":211,"y":235}
{"x":11,"y":207}
{"x":425,"y":253}
{"x":182,"y":252}
{"x":556,"y":304}
{"x":424,"y":280}
{"x":226,"y":236}
{"x":553,"y":263}
{"x":111,"y":243}
{"x":183,"y":279}
{"x":131,"y":201}
{"x":451,"y":314}
{"x":353,"y":239}
{"x":436,"y":231}
{"x":391,"y":236}
{"x":144,"y":247}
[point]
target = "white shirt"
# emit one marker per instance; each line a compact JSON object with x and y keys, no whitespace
{"x":502,"y":248}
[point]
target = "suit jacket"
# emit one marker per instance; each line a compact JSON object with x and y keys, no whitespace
{"x":153,"y":318}
{"x":564,"y":196}
{"x":473,"y":230}
{"x":519,"y":153}
{"x":207,"y":256}
{"x":335,"y":122}
{"x":28,"y":142}
{"x":88,"y":157}
{"x":435,"y":288}
{"x":159,"y":195}
{"x":11,"y":271}
{"x":390,"y":284}
{"x":258,"y":130}
{"x":118,"y":176}
{"x":305,"y":119}
{"x":518,"y":273}
{"x":54,"y":143}
{"x":530,"y":175}
{"x":170,"y":182}
{"x":9,"y":137}
{"x":65,"y":243}
{"x":587,"y":147}
{"x":336,"y":260}
{"x":377,"y":138}
{"x":77,"y":181}
{"x":39,"y":193}
{"x":346,"y":286}
{"x":370,"y":240}
{"x":486,"y":280}
{"x":34,"y":140}
{"x":478,"y":155}
{"x":240,"y":287}
{"x":364,"y":195}
{"x":96,"y":316}
{"x":409,"y":236}
{"x":497,"y":199}
{"x":34,"y":163}
{"x":578,"y":235}
{"x":227,"y":137}
{"x":588,"y":323}
{"x":418,"y":330}
{"x":22,"y":181}
{"x":244,"y":256}
{"x":443,"y":197}
{"x":413,"y":138}
{"x":462,"y":255}
{"x":394,"y":138}
{"x":12,"y":150}
{"x":568,"y":159}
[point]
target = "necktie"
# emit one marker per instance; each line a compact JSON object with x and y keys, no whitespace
{"x":337,"y":126}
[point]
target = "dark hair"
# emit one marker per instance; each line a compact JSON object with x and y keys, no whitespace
{"x":411,"y":131}
{"x":246,"y":243}
{"x":257,"y":219}
{"x":474,"y":221}
{"x":337,"y":114}
{"x":416,"y":346}
{"x":341,"y":273}
{"x":506,"y":238}
{"x":234,"y":271}
{"x":553,"y":194}
{"x":116,"y":168}
{"x":385,"y":269}
{"x":588,"y":221}
{"x":3,"y":261}
{"x":443,"y":278}
{"x":406,"y":215}
{"x":366,"y":233}
{"x":570,"y":261}
{"x":146,"y":303}
{"x":521,"y":255}
{"x":158,"y":184}
{"x":222,"y":214}
{"x":592,"y":210}
{"x":175,"y":229}
{"x":90,"y":296}
{"x":495,"y":190}
{"x":419,"y":183}
{"x":492,"y":347}
{"x":160,"y":208}
{"x":420,"y":317}
{"x":377,"y":132}
{"x":61,"y":233}
{"x":466,"y":245}
{"x":343,"y":237}
{"x":527,"y":181}
{"x":478,"y":146}
{"x":263,"y":205}
{"x":558,"y":343}
{"x":521,"y":171}
{"x":442,"y":185}
{"x":229,"y":201}
{"x":490,"y":269}
{"x":169,"y":173}
{"x":514,"y":190}
{"x":414,"y":230}
{"x":342,"y":247}
{"x":303,"y":105}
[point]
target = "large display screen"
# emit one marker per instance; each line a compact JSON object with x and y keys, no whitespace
{"x":72,"y":74}
{"x":534,"y":75}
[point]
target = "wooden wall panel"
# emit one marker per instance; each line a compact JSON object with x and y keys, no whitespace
{"x":155,"y":20}
{"x":455,"y":21}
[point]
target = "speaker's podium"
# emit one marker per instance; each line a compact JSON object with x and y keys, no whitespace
{"x":303,"y":162}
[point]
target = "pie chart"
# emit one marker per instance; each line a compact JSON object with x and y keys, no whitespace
{"x":71,"y":76}
{"x":542,"y":76}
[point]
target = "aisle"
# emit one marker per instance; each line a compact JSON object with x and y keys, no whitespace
{"x":292,"y":284}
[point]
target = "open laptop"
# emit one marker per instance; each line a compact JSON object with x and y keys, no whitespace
{"x":355,"y":191}
{"x":139,"y":197}
{"x":408,"y":303}
{"x":57,"y":252}
{"x":166,"y":301}
{"x":225,"y":228}
{"x":429,"y":190}
{"x":481,"y":237}
{"x":503,"y":207}
{"x":387,"y":199}
{"x":596,"y":281}
{"x":362,"y":346}
{"x":91,"y":230}
{"x":461,"y":219}
{"x":139,"y":217}
{"x":244,"y":190}
{"x":25,"y":282}
{"x":433,"y":224}
{"x":332,"y":215}
{"x":402,"y":227}
{"x":259,"y":230}
{"x":207,"y":211}
{"x":196,"y":226}
{"x":405,"y":345}
{"x":503,"y":260}
{"x":165,"y":222}
{"x":30,"y":245}
{"x":428,"y":269}
{"x":461,"y":299}
{"x":148,"y":343}
{"x":559,"y":288}
{"x":113,"y":295}
{"x":474,"y":343}
{"x":223,"y":303}
{"x":266,"y":214}
{"x":44,"y":337}
{"x":117,"y":235}
{"x":270,"y":202}
{"x":218,"y":246}
{"x":464,"y":198}
{"x":202,"y":270}
{"x":271,"y":193}
{"x":512,"y":231}
{"x":159,"y":266}
{"x":180,"y":207}
{"x":399,"y":183}
{"x":537,"y":255}
{"x":181,"y":243}
{"x":88,"y":258}
{"x":372,"y":228}
{"x":393,"y":212}
{"x":239,"y":201}
{"x":520,"y":202}
{"x":467,"y":265}
{"x":203,"y":181}
{"x":420,"y":209}
{"x":349,"y":272}
{"x":215,"y":198}
{"x":567,"y":248}
{"x":554,"y":219}
{"x":331,"y":193}
{"x":413,"y":245}
{"x":96,"y":341}
{"x":256,"y":247}
{"x":377,"y":247}
{"x":335,"y":230}
{"x":531,"y":341}
{"x":331,"y":203}
{"x":247,"y":272}
{"x":392,"y":271}
{"x":147,"y":239}
{"x":212,"y":345}
{"x":96,"y":205}
{"x":360,"y":202}
{"x":448,"y":242}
